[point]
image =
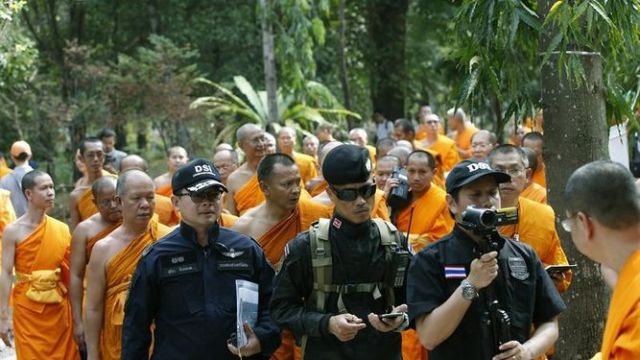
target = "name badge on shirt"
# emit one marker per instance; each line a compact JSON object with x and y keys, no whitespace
{"x":179,"y":264}
{"x":235,"y":265}
{"x":518,"y":268}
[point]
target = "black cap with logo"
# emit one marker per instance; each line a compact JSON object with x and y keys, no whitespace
{"x":468,"y":171}
{"x":347,"y":164}
{"x":197,"y":175}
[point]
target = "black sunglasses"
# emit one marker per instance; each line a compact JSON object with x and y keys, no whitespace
{"x":365,"y":191}
{"x":201,"y":196}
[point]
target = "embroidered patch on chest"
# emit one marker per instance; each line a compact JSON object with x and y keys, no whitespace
{"x":518,"y":268}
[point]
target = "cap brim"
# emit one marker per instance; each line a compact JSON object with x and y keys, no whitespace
{"x":498,"y":175}
{"x":203,"y":185}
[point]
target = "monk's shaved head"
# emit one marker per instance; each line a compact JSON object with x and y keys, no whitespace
{"x":421,"y":154}
{"x":30,"y":179}
{"x":606,"y":191}
{"x":133,"y":162}
{"x":223,"y":146}
{"x":401,"y":153}
{"x":324,"y":150}
{"x":486,"y":136}
{"x":288,"y":130}
{"x":245,"y":131}
{"x":129,"y":176}
{"x":389,"y":159}
{"x":269,"y":162}
{"x":177,"y":149}
{"x":103,"y":184}
{"x":88,"y":140}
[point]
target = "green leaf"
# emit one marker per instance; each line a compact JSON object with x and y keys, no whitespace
{"x":601,"y":11}
{"x":532,"y":20}
{"x":317,"y":27}
{"x":247,"y":90}
{"x":557,"y":39}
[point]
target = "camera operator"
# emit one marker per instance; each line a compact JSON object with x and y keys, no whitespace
{"x":425,"y":215}
{"x":452,"y":281}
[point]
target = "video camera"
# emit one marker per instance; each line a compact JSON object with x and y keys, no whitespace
{"x":484,"y":221}
{"x":399,"y":197}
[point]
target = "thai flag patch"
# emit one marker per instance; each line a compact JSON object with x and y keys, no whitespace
{"x":454,"y":272}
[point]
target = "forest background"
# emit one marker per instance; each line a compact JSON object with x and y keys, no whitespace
{"x":188,"y":72}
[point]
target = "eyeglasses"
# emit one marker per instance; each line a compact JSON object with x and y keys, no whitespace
{"x":200,"y":197}
{"x":511,"y":172}
{"x":365,"y":191}
{"x":567,"y":223}
{"x":258,"y":140}
{"x":432,"y":122}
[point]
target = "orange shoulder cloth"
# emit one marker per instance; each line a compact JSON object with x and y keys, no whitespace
{"x":249,"y":195}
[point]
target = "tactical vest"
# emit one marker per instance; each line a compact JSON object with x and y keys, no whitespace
{"x":395,"y":256}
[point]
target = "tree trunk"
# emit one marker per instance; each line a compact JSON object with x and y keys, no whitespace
{"x":387,"y":28}
{"x":344,"y":75}
{"x":575,"y":134}
{"x":270,"y":77}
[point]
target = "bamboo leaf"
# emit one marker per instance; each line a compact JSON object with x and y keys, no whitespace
{"x":247,"y":90}
{"x":601,"y":11}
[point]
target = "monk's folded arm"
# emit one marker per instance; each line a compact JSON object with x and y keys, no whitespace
{"x":96,"y":286}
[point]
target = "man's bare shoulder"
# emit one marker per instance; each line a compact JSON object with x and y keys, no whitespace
{"x":93,"y":225}
{"x":78,"y":192}
{"x":239,"y":177}
{"x":244,"y":222}
{"x":322,"y":198}
{"x":18,"y":230}
{"x":162,"y":179}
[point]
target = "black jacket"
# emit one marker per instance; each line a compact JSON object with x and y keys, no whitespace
{"x":188,"y":292}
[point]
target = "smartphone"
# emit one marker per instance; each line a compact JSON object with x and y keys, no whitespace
{"x":390,"y":316}
{"x":559,"y":268}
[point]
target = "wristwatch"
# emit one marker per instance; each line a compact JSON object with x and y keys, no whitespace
{"x":469,"y":292}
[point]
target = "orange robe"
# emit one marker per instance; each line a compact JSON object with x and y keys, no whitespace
{"x":165,"y":190}
{"x":4,"y":171}
{"x":249,"y":195}
{"x":306,"y":165}
{"x":447,"y":150}
{"x":273,"y":242}
{"x":319,"y":188}
{"x":463,"y":140}
{"x":372,"y":154}
{"x":86,"y":206}
{"x":167,"y":214}
{"x":536,"y":227}
{"x":119,"y":270}
{"x":539,"y":176}
{"x":227,"y":220}
{"x":99,"y":236}
{"x":429,"y":217}
{"x":42,"y":330}
{"x":535,"y":192}
{"x":7,"y":214}
{"x":621,"y":339}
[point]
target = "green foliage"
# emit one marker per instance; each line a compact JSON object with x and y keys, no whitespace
{"x":252,"y":107}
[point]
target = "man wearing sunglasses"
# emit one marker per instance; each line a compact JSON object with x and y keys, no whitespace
{"x":186,"y":283}
{"x":338,"y":277}
{"x":603,"y":217}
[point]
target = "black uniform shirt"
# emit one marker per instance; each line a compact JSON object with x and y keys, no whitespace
{"x":358,"y":257}
{"x":189,"y":293}
{"x":523,"y":289}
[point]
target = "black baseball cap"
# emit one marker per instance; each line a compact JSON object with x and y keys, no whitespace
{"x":347,"y":164}
{"x":197,"y":175}
{"x":468,"y":171}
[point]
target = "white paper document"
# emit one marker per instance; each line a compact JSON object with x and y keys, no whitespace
{"x":246,"y":308}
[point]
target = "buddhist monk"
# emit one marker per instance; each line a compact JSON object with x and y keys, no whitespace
{"x":4,"y":168}
{"x":177,"y":157}
{"x":358,"y":136}
{"x":423,"y":125}
{"x":167,"y":214}
{"x":36,"y":246}
{"x":270,"y":143}
{"x":401,"y":153}
{"x":324,"y":133}
{"x":226,"y":161}
{"x":383,"y":146}
{"x":482,"y":142}
{"x":532,"y":190}
{"x":223,"y":146}
{"x":310,"y":145}
{"x":279,"y":219}
{"x":244,"y":189}
{"x":425,"y":220}
{"x":439,"y":143}
{"x":81,"y":205}
{"x":306,"y":164}
{"x":7,"y":214}
{"x":113,"y":261}
{"x":603,"y":217}
{"x":463,"y":130}
{"x":384,"y":168}
{"x":403,"y":129}
{"x":85,"y":236}
{"x":534,"y":141}
{"x":536,"y":222}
